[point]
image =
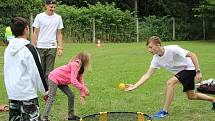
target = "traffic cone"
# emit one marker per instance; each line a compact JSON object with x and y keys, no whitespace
{"x":98,"y":44}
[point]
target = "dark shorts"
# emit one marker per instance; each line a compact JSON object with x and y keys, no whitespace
{"x":187,"y":79}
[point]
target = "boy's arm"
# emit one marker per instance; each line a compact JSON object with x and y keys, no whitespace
{"x":35,"y":36}
{"x":60,"y":42}
{"x":196,"y":64}
{"x":34,"y":73}
{"x":144,"y":78}
{"x":40,"y":85}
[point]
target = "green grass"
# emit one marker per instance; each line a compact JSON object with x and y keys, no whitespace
{"x":115,"y":63}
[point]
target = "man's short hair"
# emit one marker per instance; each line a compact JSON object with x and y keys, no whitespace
{"x":154,"y":39}
{"x":47,"y":2}
{"x":18,"y":25}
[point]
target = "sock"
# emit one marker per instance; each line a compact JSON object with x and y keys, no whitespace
{"x":165,"y":111}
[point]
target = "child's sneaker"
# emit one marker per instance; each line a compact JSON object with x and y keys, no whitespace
{"x":45,"y":118}
{"x":74,"y":118}
{"x":161,"y":114}
{"x":213,"y":108}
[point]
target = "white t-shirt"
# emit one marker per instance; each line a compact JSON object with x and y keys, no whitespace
{"x":174,"y":59}
{"x":48,"y":26}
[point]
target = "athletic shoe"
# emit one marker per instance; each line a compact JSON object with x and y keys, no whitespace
{"x":74,"y":118}
{"x":161,"y":114}
{"x":45,"y":118}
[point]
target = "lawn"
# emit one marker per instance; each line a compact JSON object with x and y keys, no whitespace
{"x":127,"y":62}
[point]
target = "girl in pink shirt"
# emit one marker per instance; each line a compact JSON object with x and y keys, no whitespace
{"x":61,"y":77}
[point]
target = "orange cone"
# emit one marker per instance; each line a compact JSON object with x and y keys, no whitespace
{"x":98,"y":44}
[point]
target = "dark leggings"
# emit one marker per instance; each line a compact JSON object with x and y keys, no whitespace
{"x":51,"y":98}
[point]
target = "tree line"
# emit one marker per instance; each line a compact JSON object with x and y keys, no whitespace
{"x":114,"y":19}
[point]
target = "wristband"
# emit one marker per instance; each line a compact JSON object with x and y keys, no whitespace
{"x":198,"y":71}
{"x":59,"y":48}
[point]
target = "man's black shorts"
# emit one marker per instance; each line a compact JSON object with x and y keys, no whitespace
{"x":186,"y":77}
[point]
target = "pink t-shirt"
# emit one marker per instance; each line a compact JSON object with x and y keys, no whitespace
{"x":68,"y":74}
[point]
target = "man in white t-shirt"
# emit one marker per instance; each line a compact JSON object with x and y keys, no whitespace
{"x":47,"y":36}
{"x":182,"y":63}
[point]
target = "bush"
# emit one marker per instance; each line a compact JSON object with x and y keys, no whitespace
{"x":112,"y":24}
{"x":153,"y":25}
{"x":13,"y":8}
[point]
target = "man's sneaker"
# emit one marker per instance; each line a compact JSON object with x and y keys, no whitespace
{"x":74,"y":118}
{"x":161,"y":114}
{"x":213,"y":108}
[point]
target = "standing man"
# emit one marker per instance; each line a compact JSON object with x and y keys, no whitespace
{"x":47,"y":36}
{"x":184,"y":66}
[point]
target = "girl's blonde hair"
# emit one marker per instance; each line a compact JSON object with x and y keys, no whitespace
{"x":84,"y":58}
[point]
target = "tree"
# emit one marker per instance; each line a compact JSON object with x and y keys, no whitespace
{"x":204,"y":11}
{"x":146,"y":7}
{"x":12,"y":8}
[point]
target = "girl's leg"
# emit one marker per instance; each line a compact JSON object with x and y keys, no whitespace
{"x":70,"y":95}
{"x":51,"y":98}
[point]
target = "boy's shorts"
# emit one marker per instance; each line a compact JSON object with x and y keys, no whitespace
{"x":24,"y":110}
{"x":186,"y":77}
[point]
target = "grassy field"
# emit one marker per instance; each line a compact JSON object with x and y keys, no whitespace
{"x":115,"y":63}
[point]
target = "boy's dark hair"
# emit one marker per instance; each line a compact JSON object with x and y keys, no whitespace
{"x":18,"y":25}
{"x":47,"y":2}
{"x":154,"y":39}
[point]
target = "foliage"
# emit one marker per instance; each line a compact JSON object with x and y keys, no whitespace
{"x":159,"y":26}
{"x":204,"y":10}
{"x":211,"y":1}
{"x":146,"y":7}
{"x":12,"y":8}
{"x":205,"y":13}
{"x":122,"y":4}
{"x":180,"y":9}
{"x":109,"y":21}
{"x":114,"y":18}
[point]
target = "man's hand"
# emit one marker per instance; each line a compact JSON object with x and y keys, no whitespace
{"x":199,"y":76}
{"x":130,"y":87}
{"x":59,"y":52}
